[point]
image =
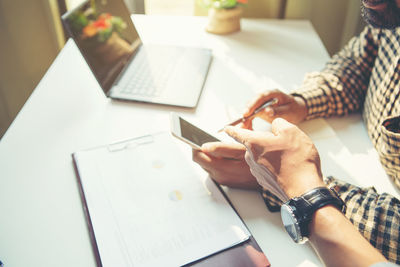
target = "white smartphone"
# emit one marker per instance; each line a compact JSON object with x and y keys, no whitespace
{"x":187,"y":132}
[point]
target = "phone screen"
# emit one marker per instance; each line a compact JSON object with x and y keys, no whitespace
{"x":194,"y":134}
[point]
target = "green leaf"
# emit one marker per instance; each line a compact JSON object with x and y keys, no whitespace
{"x":103,"y":35}
{"x":218,"y":4}
{"x":118,"y":24}
{"x":78,"y":21}
{"x":228,"y":3}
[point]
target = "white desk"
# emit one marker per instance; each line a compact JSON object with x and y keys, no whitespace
{"x":41,"y":219}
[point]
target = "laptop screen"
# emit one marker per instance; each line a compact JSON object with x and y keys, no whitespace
{"x":105,"y":35}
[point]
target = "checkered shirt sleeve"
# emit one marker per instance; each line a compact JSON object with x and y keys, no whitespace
{"x":341,"y":86}
{"x":376,"y":216}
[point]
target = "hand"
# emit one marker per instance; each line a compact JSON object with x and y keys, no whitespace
{"x":291,"y":108}
{"x":286,"y":157}
{"x":225,"y":163}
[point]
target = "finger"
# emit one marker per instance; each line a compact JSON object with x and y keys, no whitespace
{"x":224,"y":150}
{"x":280,"y":125}
{"x":261,"y":99}
{"x":267,"y":115}
{"x":201,"y":158}
{"x":219,"y":169}
{"x":250,"y":138}
{"x":241,"y":135}
{"x":254,"y":141}
{"x":205,"y":161}
{"x":271,"y":113}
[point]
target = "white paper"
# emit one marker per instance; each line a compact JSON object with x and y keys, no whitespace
{"x":149,"y":207}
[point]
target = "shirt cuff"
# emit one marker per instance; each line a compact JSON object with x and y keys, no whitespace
{"x":272,"y":202}
{"x":315,"y":108}
{"x":316,"y":92}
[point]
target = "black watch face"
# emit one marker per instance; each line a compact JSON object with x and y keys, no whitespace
{"x":291,"y":224}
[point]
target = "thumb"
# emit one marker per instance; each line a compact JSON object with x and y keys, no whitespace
{"x":224,"y":150}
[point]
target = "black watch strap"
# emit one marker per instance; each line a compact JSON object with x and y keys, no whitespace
{"x":313,"y":200}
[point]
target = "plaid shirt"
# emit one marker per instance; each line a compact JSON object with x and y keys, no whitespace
{"x":364,"y":76}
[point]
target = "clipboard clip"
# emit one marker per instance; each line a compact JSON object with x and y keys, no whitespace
{"x":130,"y":143}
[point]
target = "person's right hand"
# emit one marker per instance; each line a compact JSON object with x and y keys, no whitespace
{"x":284,"y":161}
{"x":288,"y":107}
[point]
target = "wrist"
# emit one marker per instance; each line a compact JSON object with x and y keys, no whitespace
{"x":302,"y":107}
{"x":297,"y":213}
{"x":325,"y":219}
{"x":304,"y":183}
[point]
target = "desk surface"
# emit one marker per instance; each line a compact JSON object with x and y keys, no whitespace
{"x":42,"y":222}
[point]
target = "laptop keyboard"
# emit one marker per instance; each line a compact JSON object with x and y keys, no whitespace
{"x":149,"y":72}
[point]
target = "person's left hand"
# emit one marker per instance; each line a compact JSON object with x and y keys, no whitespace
{"x":225,"y":163}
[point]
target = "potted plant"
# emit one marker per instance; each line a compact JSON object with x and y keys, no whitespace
{"x":101,"y":34}
{"x":224,"y":15}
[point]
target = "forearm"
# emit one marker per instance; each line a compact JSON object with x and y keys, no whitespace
{"x":375,"y":216}
{"x":330,"y":235}
{"x":341,"y":86}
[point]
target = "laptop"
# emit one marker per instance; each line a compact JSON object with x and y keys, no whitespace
{"x":127,"y":69}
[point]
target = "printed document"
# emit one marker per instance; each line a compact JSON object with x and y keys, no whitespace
{"x":149,"y":206}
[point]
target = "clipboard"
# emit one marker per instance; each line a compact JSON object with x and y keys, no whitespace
{"x":244,"y":254}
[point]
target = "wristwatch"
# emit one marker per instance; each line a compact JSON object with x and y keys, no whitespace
{"x":297,"y":212}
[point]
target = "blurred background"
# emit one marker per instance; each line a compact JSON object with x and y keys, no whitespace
{"x":31,"y":34}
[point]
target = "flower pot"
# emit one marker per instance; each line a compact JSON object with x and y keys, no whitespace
{"x":224,"y":21}
{"x":112,"y":50}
